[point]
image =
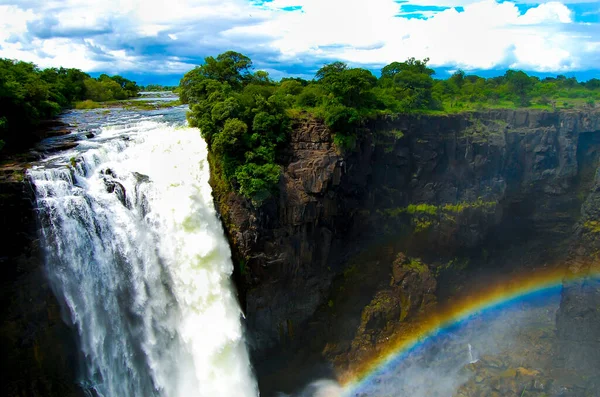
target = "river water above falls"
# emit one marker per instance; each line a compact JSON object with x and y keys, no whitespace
{"x":137,"y":258}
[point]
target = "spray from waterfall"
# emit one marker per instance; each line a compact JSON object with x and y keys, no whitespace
{"x":138,"y":258}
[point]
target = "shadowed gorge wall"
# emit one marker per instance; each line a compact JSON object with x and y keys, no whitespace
{"x":435,"y":187}
{"x":39,"y":356}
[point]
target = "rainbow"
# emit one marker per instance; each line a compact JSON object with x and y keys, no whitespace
{"x":465,"y":307}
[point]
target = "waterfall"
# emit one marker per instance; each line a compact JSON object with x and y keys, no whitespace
{"x":472,"y":359}
{"x":137,"y":258}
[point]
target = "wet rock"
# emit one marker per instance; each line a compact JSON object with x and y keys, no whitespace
{"x":140,"y":178}
{"x":112,"y":185}
{"x":58,"y":147}
{"x":413,"y":282}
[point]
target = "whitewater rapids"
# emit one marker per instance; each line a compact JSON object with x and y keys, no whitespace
{"x":137,"y":257}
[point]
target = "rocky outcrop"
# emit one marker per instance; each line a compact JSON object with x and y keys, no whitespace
{"x":431,"y":186}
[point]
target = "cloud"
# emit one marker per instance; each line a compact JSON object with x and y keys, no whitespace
{"x":298,"y":36}
{"x":485,"y":34}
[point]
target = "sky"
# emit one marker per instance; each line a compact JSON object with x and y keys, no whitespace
{"x":157,"y":41}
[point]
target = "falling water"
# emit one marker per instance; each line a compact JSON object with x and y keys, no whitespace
{"x":472,"y":359}
{"x":137,"y":257}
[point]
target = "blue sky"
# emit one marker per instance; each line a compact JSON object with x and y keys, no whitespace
{"x":157,"y":41}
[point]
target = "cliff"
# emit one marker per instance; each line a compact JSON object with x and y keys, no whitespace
{"x":39,"y":355}
{"x":354,"y":231}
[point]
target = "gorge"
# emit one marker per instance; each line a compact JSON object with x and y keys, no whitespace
{"x":499,"y":193}
{"x":358,"y":244}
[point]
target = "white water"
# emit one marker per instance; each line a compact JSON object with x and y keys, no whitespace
{"x":472,"y":359}
{"x":144,"y":280}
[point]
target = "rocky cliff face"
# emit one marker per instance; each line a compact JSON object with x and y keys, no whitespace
{"x":437,"y":188}
{"x":38,"y":350}
{"x":578,"y":320}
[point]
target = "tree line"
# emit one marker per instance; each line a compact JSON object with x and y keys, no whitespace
{"x":29,"y":95}
{"x":245,"y":116}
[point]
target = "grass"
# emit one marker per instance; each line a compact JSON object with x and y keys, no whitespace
{"x":88,"y":104}
{"x":560,"y":103}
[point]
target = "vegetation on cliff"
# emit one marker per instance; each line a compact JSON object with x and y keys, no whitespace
{"x":242,"y":119}
{"x":29,"y":95}
{"x":245,"y":116}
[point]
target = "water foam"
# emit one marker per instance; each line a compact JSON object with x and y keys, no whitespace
{"x":138,"y":258}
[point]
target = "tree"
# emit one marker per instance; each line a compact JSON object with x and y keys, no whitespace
{"x":261,"y":77}
{"x":411,"y":82}
{"x":330,"y":69}
{"x":349,"y":87}
{"x":458,"y":78}
{"x":230,"y":67}
{"x":519,"y":84}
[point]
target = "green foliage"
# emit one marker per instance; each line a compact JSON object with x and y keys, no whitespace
{"x":422,"y":216}
{"x":245,"y":116}
{"x":257,"y":182}
{"x":410,"y":84}
{"x":515,"y":89}
{"x":592,"y":226}
{"x":455,"y":265}
{"x":87,"y":104}
{"x":107,"y":88}
{"x":230,"y":67}
{"x":158,"y":87}
{"x":416,"y":265}
{"x":29,"y":95}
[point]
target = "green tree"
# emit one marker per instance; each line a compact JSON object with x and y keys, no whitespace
{"x":230,"y":67}
{"x":411,"y":83}
{"x":519,"y":85}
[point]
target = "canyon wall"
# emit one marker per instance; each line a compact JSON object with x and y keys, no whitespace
{"x":39,"y":356}
{"x":435,"y":188}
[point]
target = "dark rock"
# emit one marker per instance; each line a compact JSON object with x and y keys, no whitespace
{"x":504,"y":171}
{"x":39,"y":355}
{"x":58,"y":147}
{"x":116,"y":187}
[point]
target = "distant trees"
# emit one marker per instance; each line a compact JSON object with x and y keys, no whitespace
{"x":158,"y":87}
{"x":29,"y":95}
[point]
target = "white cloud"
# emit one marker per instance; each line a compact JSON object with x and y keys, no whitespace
{"x":486,"y":35}
{"x":547,"y":13}
{"x":169,"y":37}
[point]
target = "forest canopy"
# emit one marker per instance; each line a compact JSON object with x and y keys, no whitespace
{"x":29,"y":95}
{"x":245,"y":116}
